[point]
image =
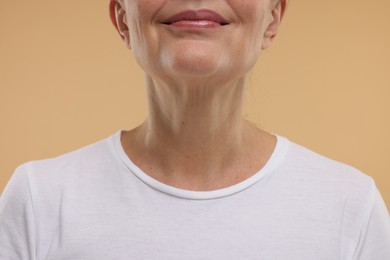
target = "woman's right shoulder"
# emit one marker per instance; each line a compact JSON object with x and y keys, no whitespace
{"x":68,"y":165}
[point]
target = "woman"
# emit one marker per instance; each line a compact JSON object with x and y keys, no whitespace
{"x":195,"y":180}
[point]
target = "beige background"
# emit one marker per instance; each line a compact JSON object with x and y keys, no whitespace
{"x":66,"y":80}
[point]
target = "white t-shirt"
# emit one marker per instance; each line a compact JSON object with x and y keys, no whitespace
{"x":94,"y":203}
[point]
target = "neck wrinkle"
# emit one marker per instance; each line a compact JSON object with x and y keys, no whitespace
{"x":196,"y":136}
{"x":188,"y":115}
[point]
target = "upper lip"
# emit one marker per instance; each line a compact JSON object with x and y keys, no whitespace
{"x":196,"y":15}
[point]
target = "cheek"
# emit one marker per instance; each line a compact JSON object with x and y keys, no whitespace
{"x":143,"y":46}
{"x":139,"y":17}
{"x":251,"y":15}
{"x":141,"y":33}
{"x":250,"y":38}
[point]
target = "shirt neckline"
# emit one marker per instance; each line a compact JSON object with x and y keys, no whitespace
{"x":274,"y":160}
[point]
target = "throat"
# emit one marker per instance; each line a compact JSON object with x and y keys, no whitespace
{"x":199,"y":165}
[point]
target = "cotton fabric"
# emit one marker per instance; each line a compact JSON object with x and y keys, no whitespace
{"x":95,"y":203}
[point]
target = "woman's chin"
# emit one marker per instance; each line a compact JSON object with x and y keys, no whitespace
{"x":193,"y":60}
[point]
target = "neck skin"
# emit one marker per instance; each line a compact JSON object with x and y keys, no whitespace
{"x":196,"y":138}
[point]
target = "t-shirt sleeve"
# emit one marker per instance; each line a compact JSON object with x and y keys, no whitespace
{"x":374,"y":243}
{"x":17,"y":222}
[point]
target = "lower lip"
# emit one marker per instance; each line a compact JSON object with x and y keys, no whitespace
{"x":199,"y":24}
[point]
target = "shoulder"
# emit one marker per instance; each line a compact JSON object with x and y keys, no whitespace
{"x":322,"y":178}
{"x":69,"y":167}
{"x":305,"y":162}
{"x":339,"y":192}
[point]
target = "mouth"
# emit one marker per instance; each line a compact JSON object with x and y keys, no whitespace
{"x":196,"y":19}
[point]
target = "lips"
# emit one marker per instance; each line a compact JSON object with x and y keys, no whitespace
{"x":199,"y":18}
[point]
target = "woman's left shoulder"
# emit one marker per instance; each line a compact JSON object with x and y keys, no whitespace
{"x":305,"y":164}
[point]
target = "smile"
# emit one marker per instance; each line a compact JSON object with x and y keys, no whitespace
{"x":196,"y":19}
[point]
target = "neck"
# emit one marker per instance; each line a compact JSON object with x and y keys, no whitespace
{"x":193,"y":134}
{"x":196,"y":116}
